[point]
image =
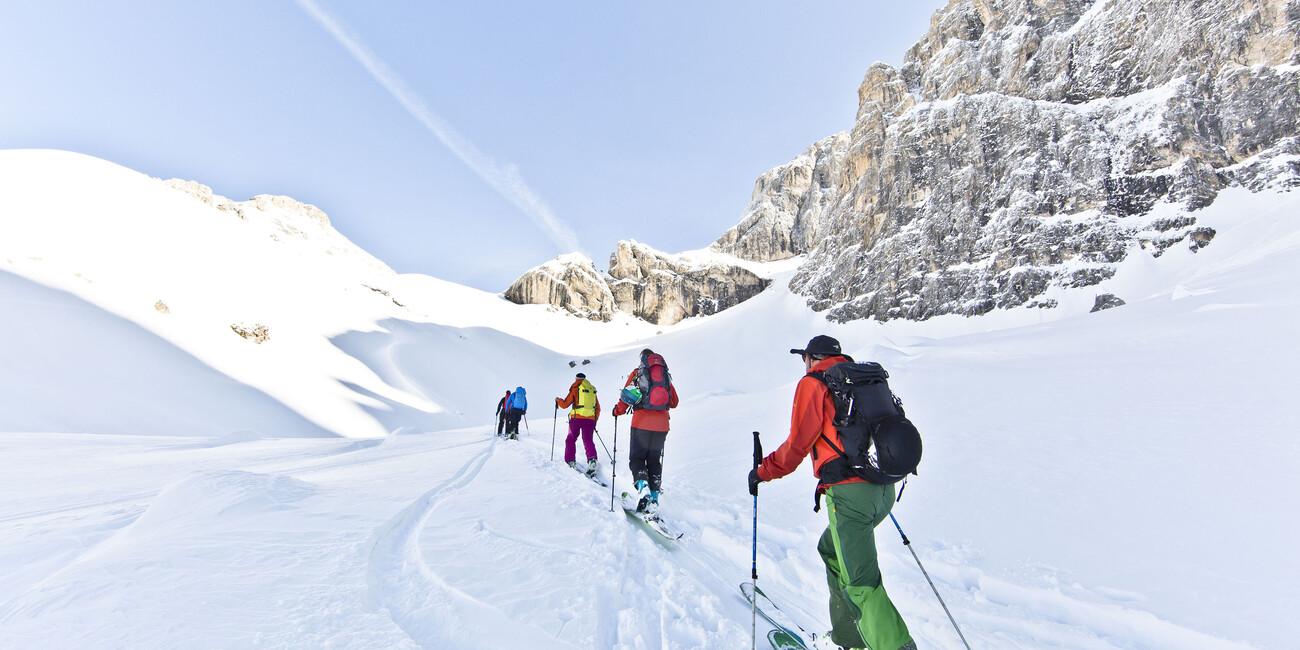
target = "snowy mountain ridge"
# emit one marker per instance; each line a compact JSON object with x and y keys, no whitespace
{"x":1021,"y":148}
{"x":259,"y":290}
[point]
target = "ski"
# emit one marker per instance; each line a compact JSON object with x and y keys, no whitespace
{"x":782,"y":640}
{"x":653,"y":522}
{"x":789,"y":632}
{"x":595,"y":479}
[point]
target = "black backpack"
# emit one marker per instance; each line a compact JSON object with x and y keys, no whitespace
{"x":880,"y":445}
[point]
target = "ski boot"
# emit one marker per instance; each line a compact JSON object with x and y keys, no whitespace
{"x":591,"y":468}
{"x":643,"y":490}
{"x":652,"y":504}
{"x":572,"y":465}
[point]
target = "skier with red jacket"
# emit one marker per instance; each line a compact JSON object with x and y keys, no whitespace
{"x":501,"y":414}
{"x":862,"y":614}
{"x":649,"y":394}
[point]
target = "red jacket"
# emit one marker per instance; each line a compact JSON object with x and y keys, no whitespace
{"x":572,"y":400}
{"x":812,"y":417}
{"x":647,"y":420}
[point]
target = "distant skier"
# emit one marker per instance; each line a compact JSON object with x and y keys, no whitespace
{"x":862,"y":615}
{"x":582,"y":421}
{"x":648,"y":393}
{"x":501,"y":413}
{"x":516,"y":407}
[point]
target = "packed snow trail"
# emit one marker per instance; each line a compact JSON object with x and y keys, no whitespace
{"x":315,"y":542}
{"x":548,"y":533}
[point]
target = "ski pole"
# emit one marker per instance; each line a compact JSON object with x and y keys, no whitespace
{"x":908,"y":544}
{"x":753,"y":601}
{"x":613,"y":465}
{"x":527,"y":428}
{"x":602,"y":442}
{"x":555,"y":415}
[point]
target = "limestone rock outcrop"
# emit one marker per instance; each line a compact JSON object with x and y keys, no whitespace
{"x":1022,"y":147}
{"x":262,"y":202}
{"x":665,"y":289}
{"x":787,"y":213}
{"x":643,"y":282}
{"x":569,"y":282}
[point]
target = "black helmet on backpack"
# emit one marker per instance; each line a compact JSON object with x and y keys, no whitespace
{"x":896,"y":445}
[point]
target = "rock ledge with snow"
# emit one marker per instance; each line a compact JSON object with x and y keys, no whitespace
{"x":643,"y":282}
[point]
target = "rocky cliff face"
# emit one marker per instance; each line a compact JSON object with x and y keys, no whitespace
{"x":570,"y":282}
{"x":664,"y":289}
{"x":789,"y":210}
{"x":641,"y":281}
{"x":1023,"y":145}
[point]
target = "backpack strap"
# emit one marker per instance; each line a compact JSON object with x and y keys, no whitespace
{"x":821,"y":377}
{"x":817,"y":493}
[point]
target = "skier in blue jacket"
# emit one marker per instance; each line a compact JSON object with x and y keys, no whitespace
{"x":516,"y":407}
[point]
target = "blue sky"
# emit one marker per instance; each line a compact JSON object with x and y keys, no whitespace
{"x":466,"y":140}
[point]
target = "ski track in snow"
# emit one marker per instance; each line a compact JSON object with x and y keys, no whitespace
{"x":436,"y":595}
{"x":419,"y":601}
{"x":631,"y":591}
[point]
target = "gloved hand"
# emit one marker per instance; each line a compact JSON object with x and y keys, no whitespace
{"x":620,"y":409}
{"x":754,"y":480}
{"x":559,"y":401}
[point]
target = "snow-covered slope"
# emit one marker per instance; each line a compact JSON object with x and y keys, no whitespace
{"x":160,"y":263}
{"x":1120,"y":479}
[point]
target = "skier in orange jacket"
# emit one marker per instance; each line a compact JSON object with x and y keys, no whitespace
{"x":582,"y":421}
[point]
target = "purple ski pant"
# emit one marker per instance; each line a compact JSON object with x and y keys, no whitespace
{"x":579,"y":426}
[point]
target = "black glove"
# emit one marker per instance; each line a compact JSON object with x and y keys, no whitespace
{"x":754,"y":480}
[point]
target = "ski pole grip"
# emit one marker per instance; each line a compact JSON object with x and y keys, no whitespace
{"x":906,"y":542}
{"x":758,"y":451}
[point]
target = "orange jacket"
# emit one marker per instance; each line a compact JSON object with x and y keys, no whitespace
{"x":648,"y":420}
{"x":812,"y":416}
{"x":572,"y":400}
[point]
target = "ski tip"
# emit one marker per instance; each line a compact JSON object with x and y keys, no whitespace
{"x":782,"y":640}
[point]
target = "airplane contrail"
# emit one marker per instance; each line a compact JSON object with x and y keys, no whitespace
{"x":505,"y":179}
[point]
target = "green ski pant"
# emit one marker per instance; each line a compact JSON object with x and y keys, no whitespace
{"x":862,"y":615}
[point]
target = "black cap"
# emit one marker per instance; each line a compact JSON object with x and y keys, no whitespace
{"x":581,"y":376}
{"x":820,"y":345}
